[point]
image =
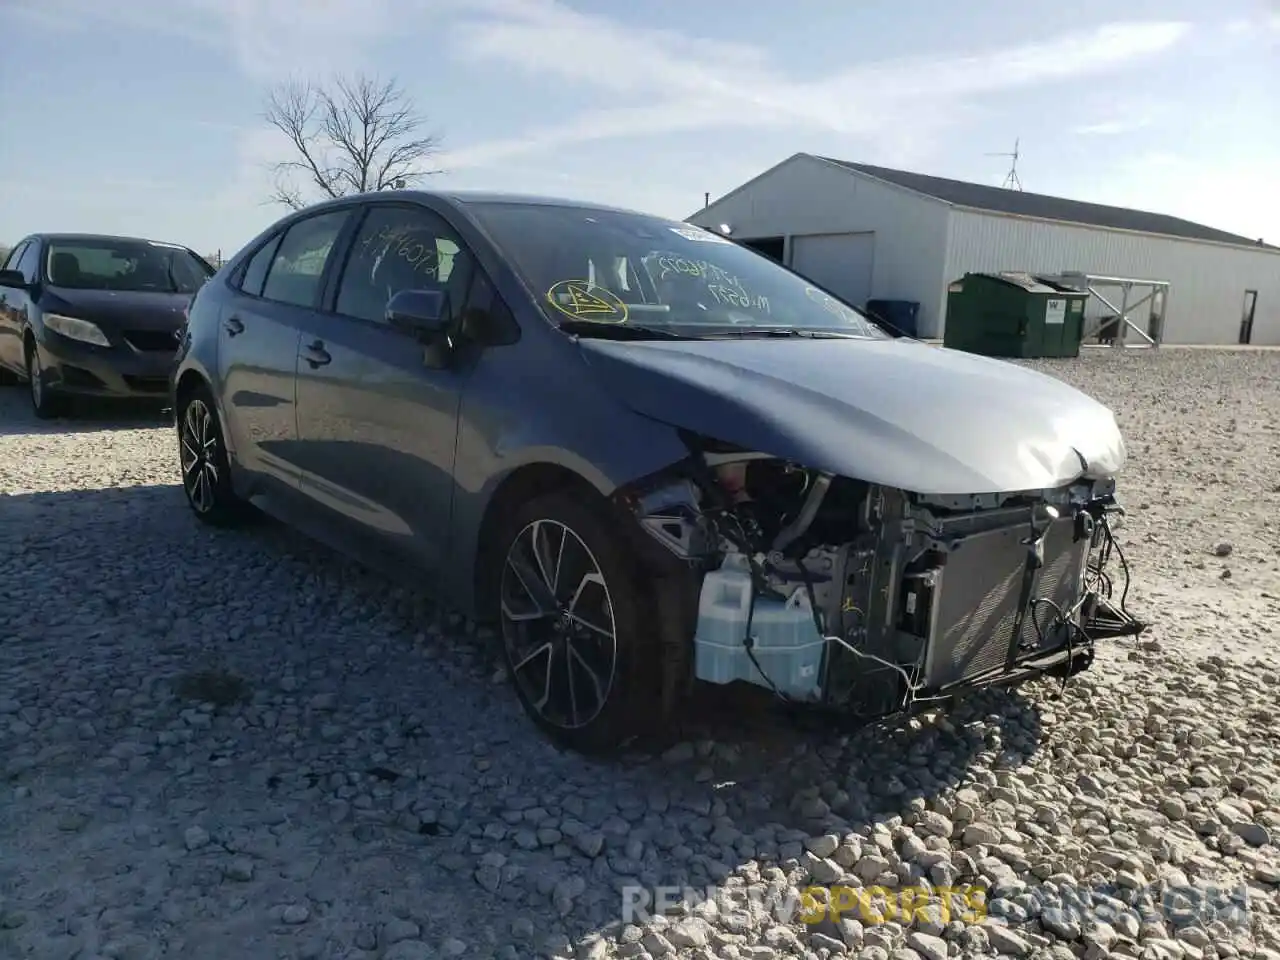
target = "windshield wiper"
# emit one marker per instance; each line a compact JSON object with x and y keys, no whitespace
{"x":620,"y":331}
{"x":786,"y":333}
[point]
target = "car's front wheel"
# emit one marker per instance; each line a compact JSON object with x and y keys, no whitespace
{"x":582,"y":661}
{"x":46,"y":403}
{"x":206,"y":471}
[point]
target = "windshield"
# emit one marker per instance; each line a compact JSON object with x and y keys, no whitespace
{"x":621,"y":268}
{"x":124,"y":265}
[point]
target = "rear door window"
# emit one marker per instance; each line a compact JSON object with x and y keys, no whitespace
{"x":297,"y":268}
{"x":255,"y":272}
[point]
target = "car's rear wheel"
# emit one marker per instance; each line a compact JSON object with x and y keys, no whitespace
{"x":584,"y":666}
{"x":206,"y":470}
{"x":46,"y":403}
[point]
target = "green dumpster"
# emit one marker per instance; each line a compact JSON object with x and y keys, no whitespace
{"x":1011,"y":314}
{"x":1071,"y":311}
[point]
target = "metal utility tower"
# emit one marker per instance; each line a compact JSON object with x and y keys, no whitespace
{"x":1011,"y":180}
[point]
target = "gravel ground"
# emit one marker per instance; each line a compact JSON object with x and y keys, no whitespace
{"x":238,"y":746}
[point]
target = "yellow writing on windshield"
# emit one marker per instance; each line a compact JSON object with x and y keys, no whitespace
{"x":584,"y":300}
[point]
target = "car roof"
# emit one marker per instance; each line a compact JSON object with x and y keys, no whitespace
{"x":81,"y":237}
{"x":467,"y":197}
{"x":532,"y":200}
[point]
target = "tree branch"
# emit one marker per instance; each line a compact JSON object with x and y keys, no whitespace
{"x":353,"y":136}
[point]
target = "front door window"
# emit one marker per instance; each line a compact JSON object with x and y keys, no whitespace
{"x":401,"y":248}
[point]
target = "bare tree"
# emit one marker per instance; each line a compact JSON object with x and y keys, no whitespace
{"x":353,"y":136}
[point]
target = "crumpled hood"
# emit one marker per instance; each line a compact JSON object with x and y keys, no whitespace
{"x":894,"y":412}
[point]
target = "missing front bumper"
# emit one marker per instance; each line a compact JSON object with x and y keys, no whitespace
{"x":1104,"y":620}
{"x":991,"y":610}
{"x":838,"y":594}
{"x":920,"y":608}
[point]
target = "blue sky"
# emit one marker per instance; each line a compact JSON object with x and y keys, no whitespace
{"x":144,"y":116}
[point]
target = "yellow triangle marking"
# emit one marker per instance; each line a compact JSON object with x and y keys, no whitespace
{"x":586,"y":302}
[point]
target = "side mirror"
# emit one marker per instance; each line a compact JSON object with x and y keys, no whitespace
{"x":13,"y":279}
{"x":422,"y":313}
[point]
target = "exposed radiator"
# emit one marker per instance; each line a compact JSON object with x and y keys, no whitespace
{"x":978,"y":593}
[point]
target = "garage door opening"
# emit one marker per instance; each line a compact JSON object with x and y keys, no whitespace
{"x":1246,"y":319}
{"x":840,"y":262}
{"x":771,"y":247}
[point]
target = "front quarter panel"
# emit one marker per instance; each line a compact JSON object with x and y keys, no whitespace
{"x":537,"y":402}
{"x":198,"y":353}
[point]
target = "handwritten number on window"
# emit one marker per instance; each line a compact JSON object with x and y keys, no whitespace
{"x":726,"y":288}
{"x":404,"y":242}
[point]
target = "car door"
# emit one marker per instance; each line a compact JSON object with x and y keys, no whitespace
{"x":262,"y":325}
{"x":14,"y":305}
{"x":377,"y":422}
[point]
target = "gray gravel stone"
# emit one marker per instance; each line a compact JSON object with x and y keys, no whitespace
{"x":411,"y":950}
{"x":238,"y":737}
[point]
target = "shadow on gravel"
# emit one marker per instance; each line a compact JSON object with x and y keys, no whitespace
{"x":250,"y":672}
{"x":83,"y":415}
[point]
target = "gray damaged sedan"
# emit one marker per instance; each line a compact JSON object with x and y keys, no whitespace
{"x":653,"y":456}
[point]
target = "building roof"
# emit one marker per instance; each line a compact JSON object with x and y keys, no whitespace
{"x":1020,"y":203}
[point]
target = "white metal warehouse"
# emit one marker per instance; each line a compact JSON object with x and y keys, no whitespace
{"x":868,"y":232}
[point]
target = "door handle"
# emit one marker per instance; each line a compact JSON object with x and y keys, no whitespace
{"x":316,"y":355}
{"x":234,"y":326}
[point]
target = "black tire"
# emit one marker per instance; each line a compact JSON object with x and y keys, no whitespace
{"x":203,"y":462}
{"x":46,"y":403}
{"x":629,"y":710}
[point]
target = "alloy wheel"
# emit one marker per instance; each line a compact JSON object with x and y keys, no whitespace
{"x":199,"y":455}
{"x":36,"y":377}
{"x":558,"y":625}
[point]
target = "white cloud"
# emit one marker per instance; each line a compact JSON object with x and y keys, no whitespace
{"x":188,"y":19}
{"x":257,"y":150}
{"x":275,"y":38}
{"x":637,"y":82}
{"x":668,"y":82}
{"x":656,"y":81}
{"x":1264,"y":27}
{"x":1111,"y":128}
{"x":267,"y":40}
{"x":1237,"y":195}
{"x":586,"y":127}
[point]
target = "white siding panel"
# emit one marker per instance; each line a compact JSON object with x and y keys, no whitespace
{"x":805,"y":195}
{"x":841,"y":262}
{"x":1208,"y":281}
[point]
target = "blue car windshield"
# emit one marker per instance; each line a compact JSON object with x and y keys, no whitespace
{"x":610,"y":267}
